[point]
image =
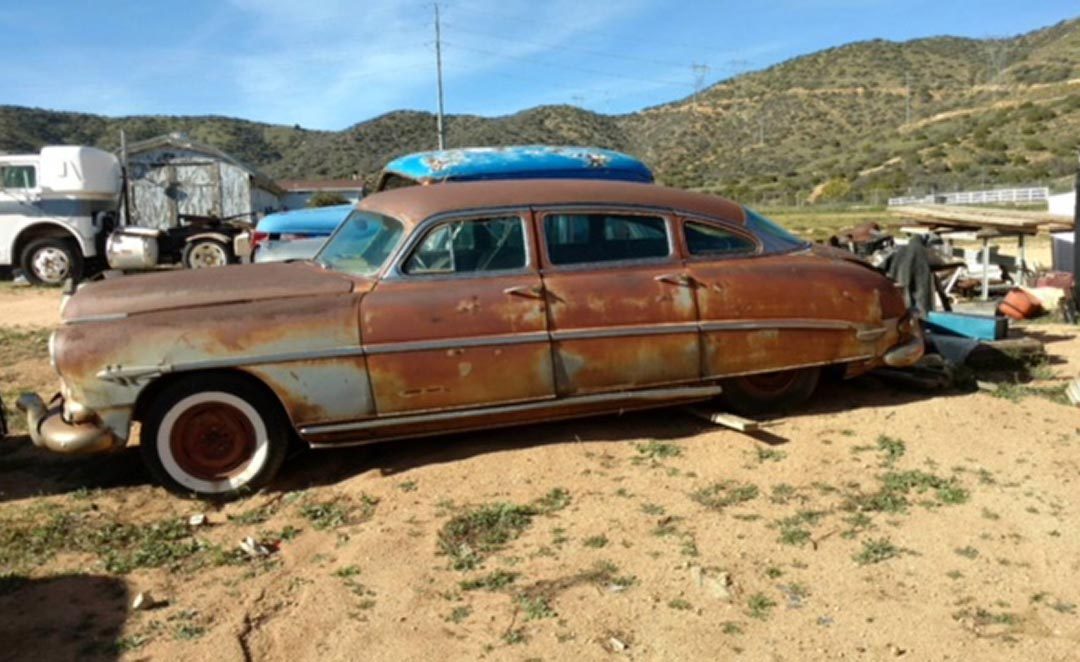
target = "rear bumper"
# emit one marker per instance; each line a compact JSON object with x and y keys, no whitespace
{"x":907,"y":353}
{"x":49,"y":430}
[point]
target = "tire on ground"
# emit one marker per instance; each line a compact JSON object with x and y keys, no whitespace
{"x":51,"y":261}
{"x":214,"y":435}
{"x":769,"y":392}
{"x":203,"y":253}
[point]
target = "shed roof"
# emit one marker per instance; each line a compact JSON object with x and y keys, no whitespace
{"x":182,"y":141}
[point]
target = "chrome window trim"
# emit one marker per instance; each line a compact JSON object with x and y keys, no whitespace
{"x":740,"y":231}
{"x":396,"y":271}
{"x":666,"y":215}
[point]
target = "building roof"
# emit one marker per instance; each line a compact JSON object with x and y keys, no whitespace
{"x":301,"y":185}
{"x":519,"y":162}
{"x":181,"y":141}
{"x":413,"y":204}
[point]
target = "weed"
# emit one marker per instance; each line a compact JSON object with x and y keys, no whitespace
{"x":253,"y":516}
{"x":769,"y":455}
{"x":731,"y":628}
{"x":760,"y":605}
{"x":652,"y":509}
{"x":782,"y":493}
{"x":409,"y":486}
{"x":893,"y":449}
{"x":335,"y":514}
{"x":515,"y":636}
{"x":990,"y":515}
{"x":954,"y":574}
{"x":968,"y":552}
{"x":596,"y":542}
{"x":772,"y":572}
{"x":535,"y":607}
{"x":347,"y":571}
{"x":459,"y":614}
{"x":791,"y":528}
{"x":555,"y":500}
{"x":655,"y":450}
{"x":494,"y":581}
{"x":726,"y":493}
{"x":469,"y":536}
{"x":680,"y":604}
{"x":876,"y":551}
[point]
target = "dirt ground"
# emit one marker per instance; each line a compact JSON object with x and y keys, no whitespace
{"x":873,"y":524}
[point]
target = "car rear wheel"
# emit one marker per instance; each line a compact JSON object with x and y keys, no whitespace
{"x":769,"y":392}
{"x":205,"y":253}
{"x":214,"y":436}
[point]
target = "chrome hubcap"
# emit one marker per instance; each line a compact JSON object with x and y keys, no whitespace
{"x":51,"y":265}
{"x":207,"y":255}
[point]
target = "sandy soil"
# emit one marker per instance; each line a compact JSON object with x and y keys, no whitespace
{"x":640,"y":564}
{"x":30,"y":306}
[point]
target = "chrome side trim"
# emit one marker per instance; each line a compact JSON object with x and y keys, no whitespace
{"x":97,"y":318}
{"x":455,"y":343}
{"x":649,"y":394}
{"x":752,"y":325}
{"x":625,"y":331}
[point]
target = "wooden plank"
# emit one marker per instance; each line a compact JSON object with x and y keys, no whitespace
{"x":1004,"y":220}
{"x":725,"y":419}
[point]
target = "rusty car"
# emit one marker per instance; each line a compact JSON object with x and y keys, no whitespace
{"x":450,"y":308}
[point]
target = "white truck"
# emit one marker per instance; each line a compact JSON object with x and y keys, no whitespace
{"x":56,"y":208}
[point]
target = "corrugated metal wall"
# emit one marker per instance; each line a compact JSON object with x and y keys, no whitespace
{"x":167,"y":182}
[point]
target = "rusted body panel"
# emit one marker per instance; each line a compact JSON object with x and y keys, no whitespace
{"x":356,"y":359}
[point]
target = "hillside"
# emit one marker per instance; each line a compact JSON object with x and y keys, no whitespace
{"x":839,"y":122}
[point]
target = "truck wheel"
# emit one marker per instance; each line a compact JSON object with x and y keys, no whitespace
{"x":51,"y":261}
{"x":769,"y":392}
{"x":204,"y":253}
{"x":214,"y":436}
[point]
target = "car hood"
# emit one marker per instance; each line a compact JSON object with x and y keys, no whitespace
{"x":145,"y":293}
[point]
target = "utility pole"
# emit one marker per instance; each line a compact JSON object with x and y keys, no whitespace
{"x":700,"y":72}
{"x":438,"y":67}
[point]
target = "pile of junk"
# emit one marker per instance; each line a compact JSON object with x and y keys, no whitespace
{"x":969,"y":303}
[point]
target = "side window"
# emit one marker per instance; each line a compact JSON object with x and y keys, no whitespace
{"x":494,"y":244}
{"x":585,"y":238}
{"x":704,"y":239}
{"x":18,"y":177}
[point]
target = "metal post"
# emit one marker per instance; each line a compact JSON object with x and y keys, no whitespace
{"x":1023,"y":259}
{"x":986,"y":269}
{"x":438,"y":67}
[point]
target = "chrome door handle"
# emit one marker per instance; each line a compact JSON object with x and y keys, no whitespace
{"x":527,"y":291}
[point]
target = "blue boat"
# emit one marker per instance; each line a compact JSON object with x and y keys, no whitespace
{"x":518,"y":162}
{"x":299,"y":234}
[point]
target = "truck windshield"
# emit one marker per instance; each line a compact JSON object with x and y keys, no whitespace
{"x":361,"y":244}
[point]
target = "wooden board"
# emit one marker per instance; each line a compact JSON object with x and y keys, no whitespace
{"x":1003,"y":220}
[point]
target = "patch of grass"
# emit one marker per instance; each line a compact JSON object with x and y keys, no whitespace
{"x":535,"y":607}
{"x":658,"y":450}
{"x":791,"y":528}
{"x":494,"y":581}
{"x":731,"y":628}
{"x":253,"y":516}
{"x":680,"y":604}
{"x":967,"y":552}
{"x":893,"y":449}
{"x":347,"y":571}
{"x":515,"y":636}
{"x":468,"y":537}
{"x":760,"y":606}
{"x":652,"y":509}
{"x":20,"y":344}
{"x":897,"y":486}
{"x":408,"y":486}
{"x":1017,"y":392}
{"x":782,"y":493}
{"x":954,"y":574}
{"x":555,"y":500}
{"x":876,"y":551}
{"x":769,"y":455}
{"x":772,"y":572}
{"x":459,"y":614}
{"x":596,"y":542}
{"x":725,"y":493}
{"x":338,"y":512}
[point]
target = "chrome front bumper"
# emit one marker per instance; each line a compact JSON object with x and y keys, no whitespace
{"x":906,"y":354}
{"x":48,"y":429}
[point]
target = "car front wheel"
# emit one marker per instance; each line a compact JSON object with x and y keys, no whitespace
{"x":214,"y":436}
{"x":769,"y":392}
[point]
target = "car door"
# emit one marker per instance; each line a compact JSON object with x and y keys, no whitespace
{"x":621,"y":309}
{"x":460,"y":321}
{"x":759,"y":312}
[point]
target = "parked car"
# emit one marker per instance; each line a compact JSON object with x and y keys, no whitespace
{"x":294,"y":234}
{"x":446,"y":308}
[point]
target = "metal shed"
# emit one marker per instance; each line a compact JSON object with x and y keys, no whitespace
{"x":172,"y":175}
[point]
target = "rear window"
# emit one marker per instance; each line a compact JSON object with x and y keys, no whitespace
{"x":588,"y":238}
{"x":775,"y":238}
{"x":705,"y":239}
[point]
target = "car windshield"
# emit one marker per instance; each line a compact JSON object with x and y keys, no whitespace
{"x":361,"y":244}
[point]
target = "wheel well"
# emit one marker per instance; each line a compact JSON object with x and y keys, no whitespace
{"x":40,"y":231}
{"x":151,"y":392}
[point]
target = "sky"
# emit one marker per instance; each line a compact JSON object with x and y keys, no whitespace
{"x":328,"y":64}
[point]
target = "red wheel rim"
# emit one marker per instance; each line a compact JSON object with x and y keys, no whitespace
{"x":212,"y":441}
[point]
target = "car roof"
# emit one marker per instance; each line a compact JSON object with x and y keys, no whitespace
{"x":519,"y":162}
{"x":416,"y":203}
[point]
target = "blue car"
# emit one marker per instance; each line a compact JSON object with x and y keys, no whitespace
{"x":298,"y":235}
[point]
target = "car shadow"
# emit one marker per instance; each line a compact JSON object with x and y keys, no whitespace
{"x":327,"y":467}
{"x":27,"y":471}
{"x":65,"y":617}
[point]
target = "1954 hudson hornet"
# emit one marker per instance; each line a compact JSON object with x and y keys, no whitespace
{"x":464,"y":306}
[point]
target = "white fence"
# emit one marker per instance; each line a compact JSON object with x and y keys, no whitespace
{"x":996,"y":196}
